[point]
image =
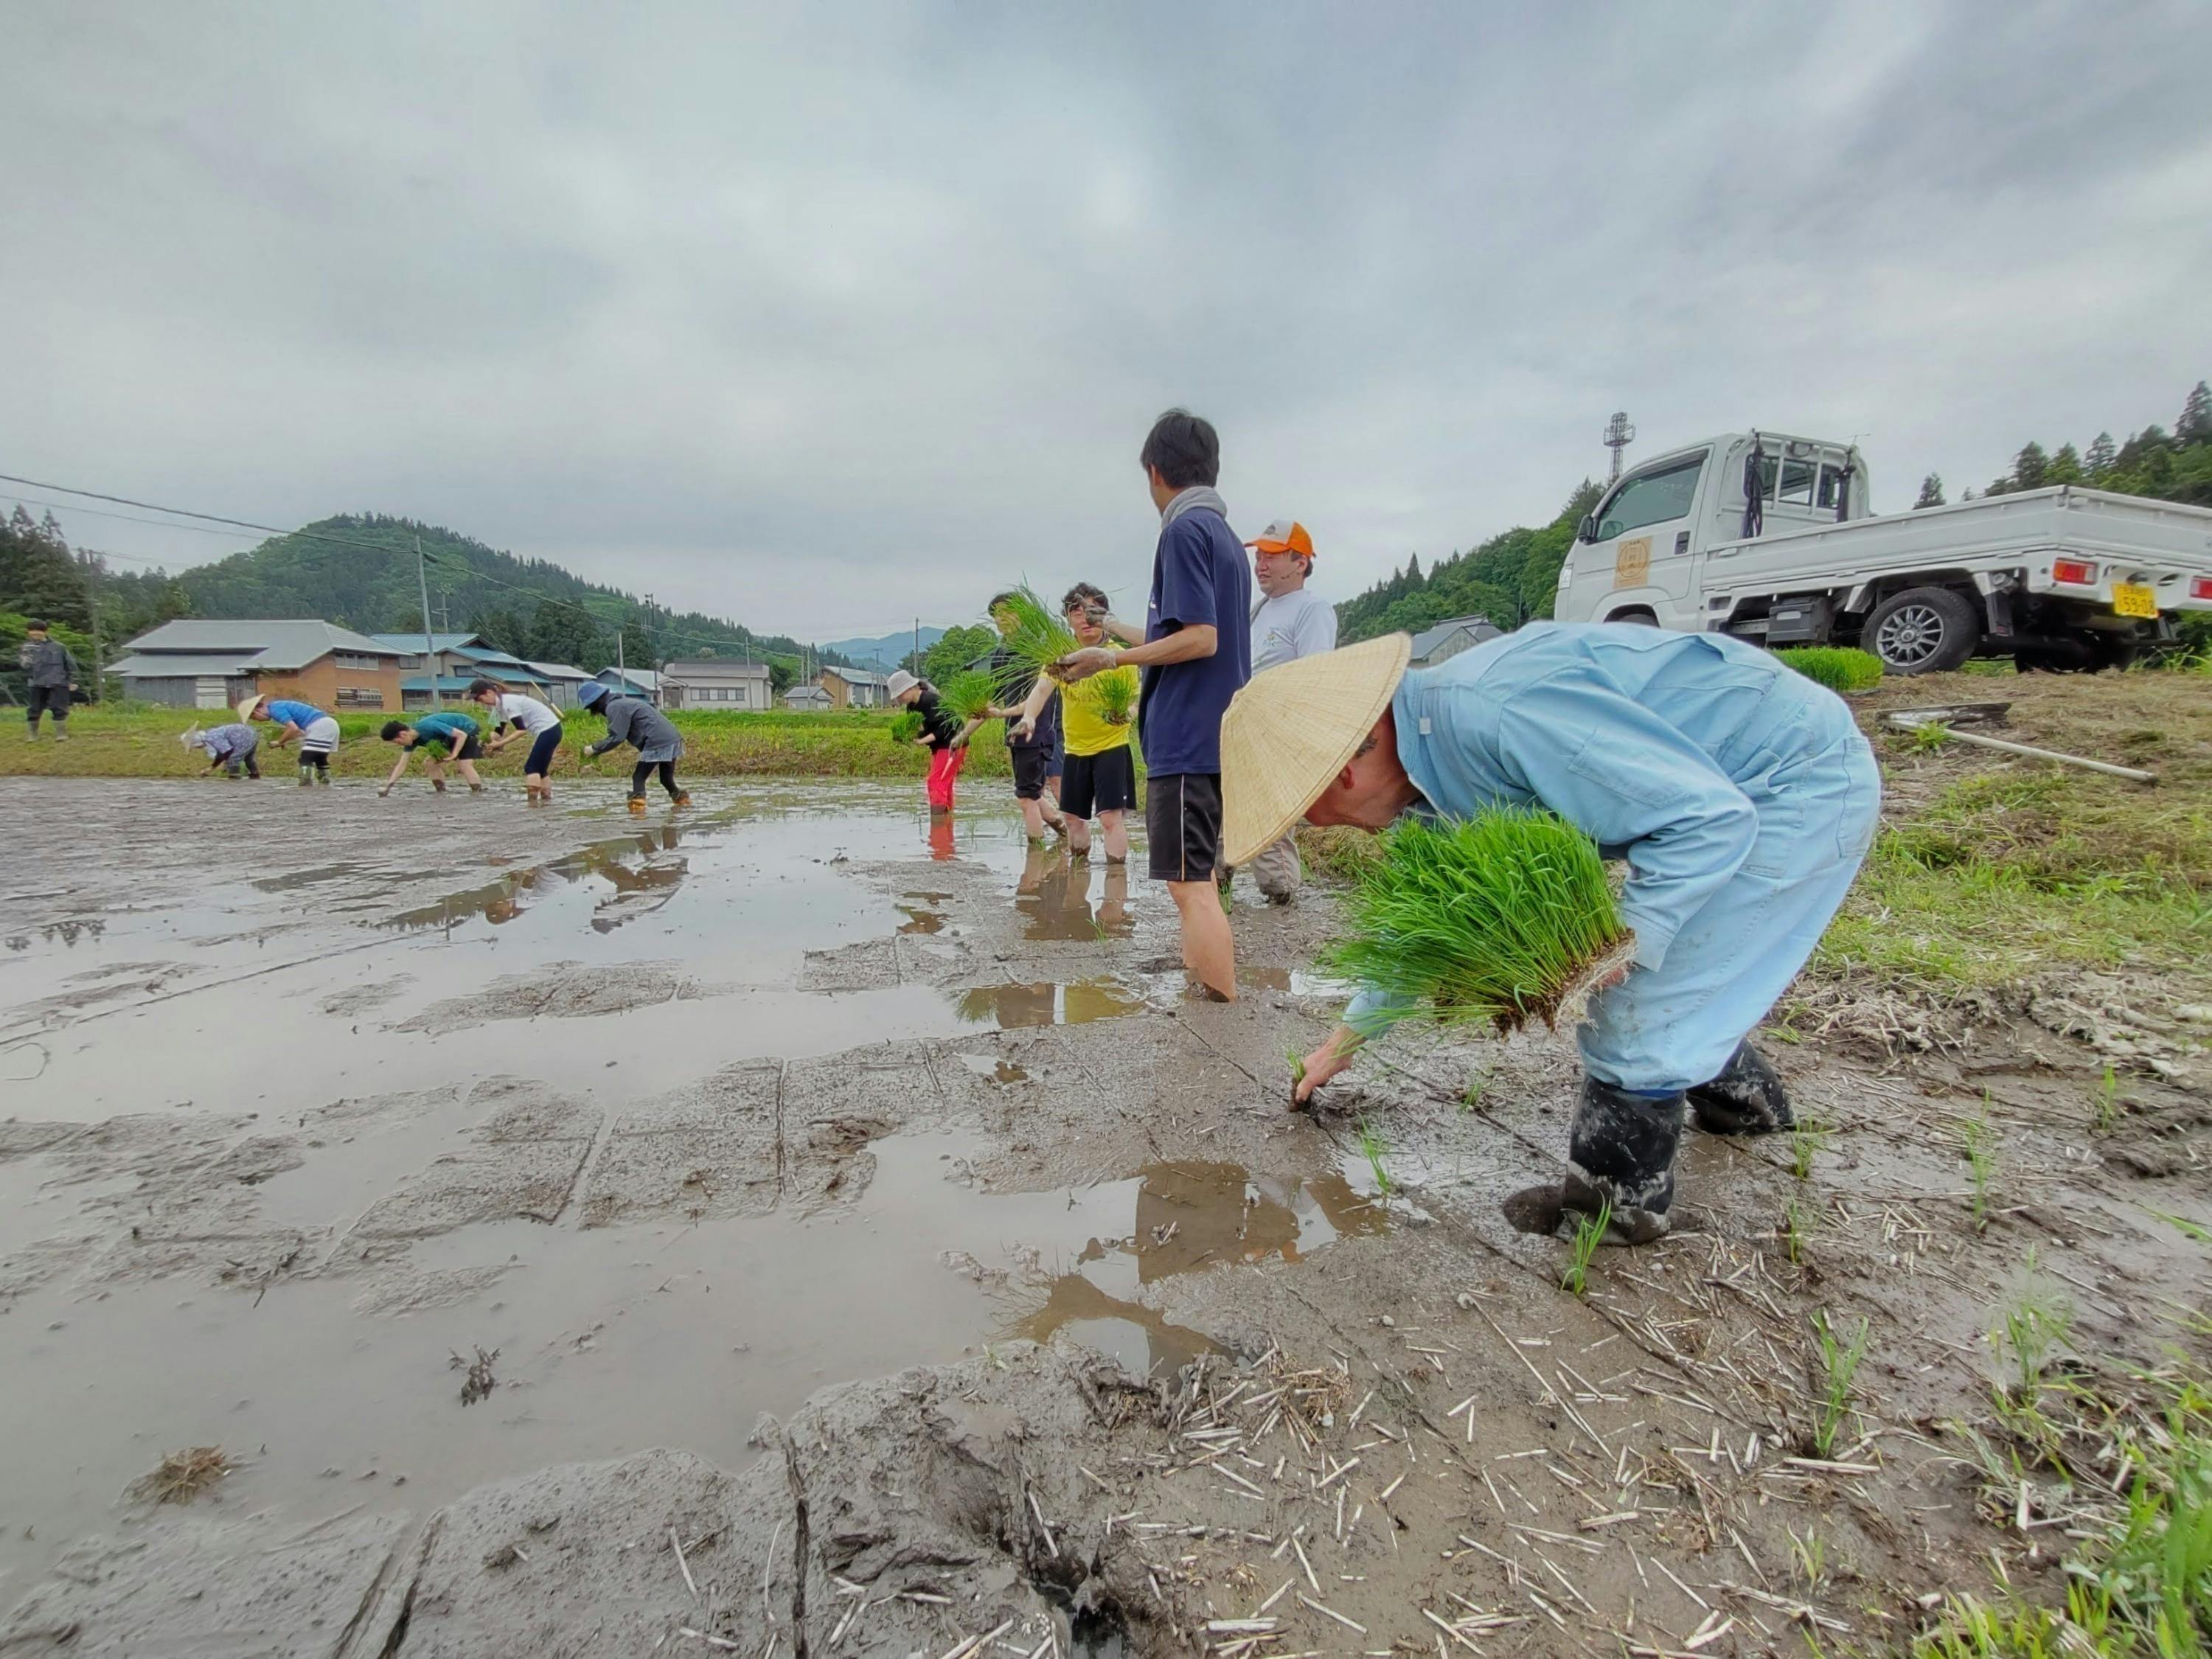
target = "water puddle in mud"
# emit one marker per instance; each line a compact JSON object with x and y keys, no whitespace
{"x":1009,"y":1007}
{"x":1053,"y":897}
{"x":1297,"y":981}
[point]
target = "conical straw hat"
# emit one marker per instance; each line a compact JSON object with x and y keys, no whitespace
{"x":1289,"y":732}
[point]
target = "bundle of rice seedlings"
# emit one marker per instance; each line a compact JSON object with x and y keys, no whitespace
{"x":966,"y":696}
{"x":1114,"y":694}
{"x":1039,"y":637}
{"x":1837,"y":667}
{"x":1506,"y":917}
{"x":906,"y":726}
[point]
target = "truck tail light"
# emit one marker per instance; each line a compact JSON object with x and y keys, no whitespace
{"x":2081,"y":573}
{"x":2200,"y":587}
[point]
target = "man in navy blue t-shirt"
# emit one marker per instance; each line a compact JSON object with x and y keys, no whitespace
{"x":1196,"y":650}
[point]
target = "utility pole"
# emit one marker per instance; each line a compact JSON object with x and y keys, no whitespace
{"x":429,"y":640}
{"x":1619,"y":433}
{"x":917,"y":645}
{"x":445,"y":613}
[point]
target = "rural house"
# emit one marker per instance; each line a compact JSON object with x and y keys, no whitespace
{"x":631,"y":683}
{"x":811,"y":698}
{"x":195,"y":663}
{"x":716,"y":683}
{"x":855,"y":687}
{"x":1450,"y":637}
{"x":463,"y":657}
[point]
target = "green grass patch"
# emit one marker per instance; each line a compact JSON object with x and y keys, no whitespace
{"x":1838,"y":667}
{"x":138,"y":740}
{"x":1501,"y":918}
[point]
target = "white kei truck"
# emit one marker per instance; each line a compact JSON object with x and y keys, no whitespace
{"x":1768,"y":537}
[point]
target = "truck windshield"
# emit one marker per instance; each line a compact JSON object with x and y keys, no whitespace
{"x":1651,"y":498}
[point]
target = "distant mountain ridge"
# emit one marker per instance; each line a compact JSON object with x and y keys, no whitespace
{"x":886,"y":650}
{"x":359,"y":570}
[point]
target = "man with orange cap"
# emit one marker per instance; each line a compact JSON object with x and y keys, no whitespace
{"x":1291,"y":621}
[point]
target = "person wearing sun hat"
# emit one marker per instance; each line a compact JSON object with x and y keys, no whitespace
{"x":1291,"y":621}
{"x":1742,"y":796}
{"x":317,"y":732}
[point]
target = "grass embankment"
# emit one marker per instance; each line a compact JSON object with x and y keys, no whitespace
{"x":1992,"y":871}
{"x":134,"y":740}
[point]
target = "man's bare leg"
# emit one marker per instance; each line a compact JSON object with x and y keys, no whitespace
{"x":1209,"y":949}
{"x":1117,"y":835}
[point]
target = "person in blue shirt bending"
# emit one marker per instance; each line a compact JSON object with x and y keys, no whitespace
{"x":316,"y":732}
{"x":439,"y":735}
{"x":1742,"y":795}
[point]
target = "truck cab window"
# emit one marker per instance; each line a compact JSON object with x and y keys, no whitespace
{"x":1796,"y":484}
{"x":1835,"y":486}
{"x":1650,"y":498}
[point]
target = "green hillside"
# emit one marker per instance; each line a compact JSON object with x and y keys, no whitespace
{"x":359,"y":570}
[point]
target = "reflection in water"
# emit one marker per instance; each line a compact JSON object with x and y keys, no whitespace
{"x":1187,"y":1217}
{"x":995,"y":1068}
{"x":1053,"y":898}
{"x":643,"y":881}
{"x":1299,"y":980}
{"x":291,"y":879}
{"x":919,"y":920}
{"x":1009,"y":1006}
{"x":66,"y":933}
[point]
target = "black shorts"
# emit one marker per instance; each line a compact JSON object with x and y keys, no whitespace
{"x":471,"y":748}
{"x":542,"y":750}
{"x":1104,"y":782}
{"x":1031,"y":768}
{"x":1183,"y":822}
{"x":52,"y":699}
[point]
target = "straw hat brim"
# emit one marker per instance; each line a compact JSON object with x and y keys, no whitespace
{"x":244,"y":710}
{"x":1292,"y":729}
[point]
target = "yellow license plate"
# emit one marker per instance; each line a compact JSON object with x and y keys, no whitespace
{"x":2135,"y":600}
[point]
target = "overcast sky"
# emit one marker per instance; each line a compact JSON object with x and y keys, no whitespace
{"x":824,"y":316}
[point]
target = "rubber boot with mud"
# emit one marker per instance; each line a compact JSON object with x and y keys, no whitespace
{"x":637,"y":806}
{"x":1621,"y":1157}
{"x":1746,"y":1098}
{"x":682,"y":798}
{"x":438,"y":785}
{"x":306,"y":774}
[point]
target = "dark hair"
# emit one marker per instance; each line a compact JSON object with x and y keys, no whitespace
{"x":1081,"y":595}
{"x":393,"y":728}
{"x":1184,"y":449}
{"x":477,"y":688}
{"x":35,"y":627}
{"x":998,"y":599}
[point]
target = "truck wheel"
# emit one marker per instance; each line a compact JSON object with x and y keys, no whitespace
{"x":1641,"y":618}
{"x":1923,"y":630}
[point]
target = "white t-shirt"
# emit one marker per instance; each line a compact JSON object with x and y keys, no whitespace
{"x":1291,"y":626}
{"x":532,"y":715}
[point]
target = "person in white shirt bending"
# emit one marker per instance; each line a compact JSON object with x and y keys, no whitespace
{"x":518,"y":716}
{"x":1290,"y":622}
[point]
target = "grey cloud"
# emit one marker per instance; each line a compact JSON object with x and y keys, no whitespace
{"x":827,"y":317}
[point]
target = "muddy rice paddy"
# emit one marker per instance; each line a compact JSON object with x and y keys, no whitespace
{"x":769,"y":1229}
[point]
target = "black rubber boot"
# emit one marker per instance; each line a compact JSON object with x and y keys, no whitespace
{"x":1621,"y":1154}
{"x":1746,"y":1098}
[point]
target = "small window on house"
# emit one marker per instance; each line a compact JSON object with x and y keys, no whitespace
{"x":360,"y":696}
{"x":1796,"y":484}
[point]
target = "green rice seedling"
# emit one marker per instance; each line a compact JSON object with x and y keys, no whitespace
{"x":2038,"y":1319}
{"x":2105,"y":1110}
{"x":967,"y":695}
{"x":1504,"y":917}
{"x":1796,"y":1230}
{"x":1114,"y":694}
{"x":1032,"y":634}
{"x":1839,"y":1364}
{"x":1471,"y":1101}
{"x":1809,"y":1555}
{"x":906,"y":726}
{"x":1374,"y":1149}
{"x":1298,"y":1066}
{"x":2185,"y":1227}
{"x":1839,"y":669}
{"x":1589,"y":1233}
{"x":1808,"y":1138}
{"x":1981,"y":1161}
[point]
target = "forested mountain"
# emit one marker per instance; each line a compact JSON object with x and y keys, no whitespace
{"x":1511,"y":577}
{"x":359,"y":570}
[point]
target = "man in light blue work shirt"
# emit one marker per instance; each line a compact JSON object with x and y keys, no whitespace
{"x":1742,"y":796}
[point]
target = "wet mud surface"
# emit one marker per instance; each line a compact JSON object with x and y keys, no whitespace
{"x":864,"y":1246}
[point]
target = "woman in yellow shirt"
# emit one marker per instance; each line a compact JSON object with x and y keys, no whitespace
{"x":1096,"y":716}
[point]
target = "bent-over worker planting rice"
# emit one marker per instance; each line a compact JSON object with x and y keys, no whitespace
{"x":1742,"y":795}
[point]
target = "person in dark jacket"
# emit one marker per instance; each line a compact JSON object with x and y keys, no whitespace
{"x":635,"y":721}
{"x":50,"y":672}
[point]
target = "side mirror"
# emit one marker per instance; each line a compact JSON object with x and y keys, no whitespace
{"x":1587,"y":530}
